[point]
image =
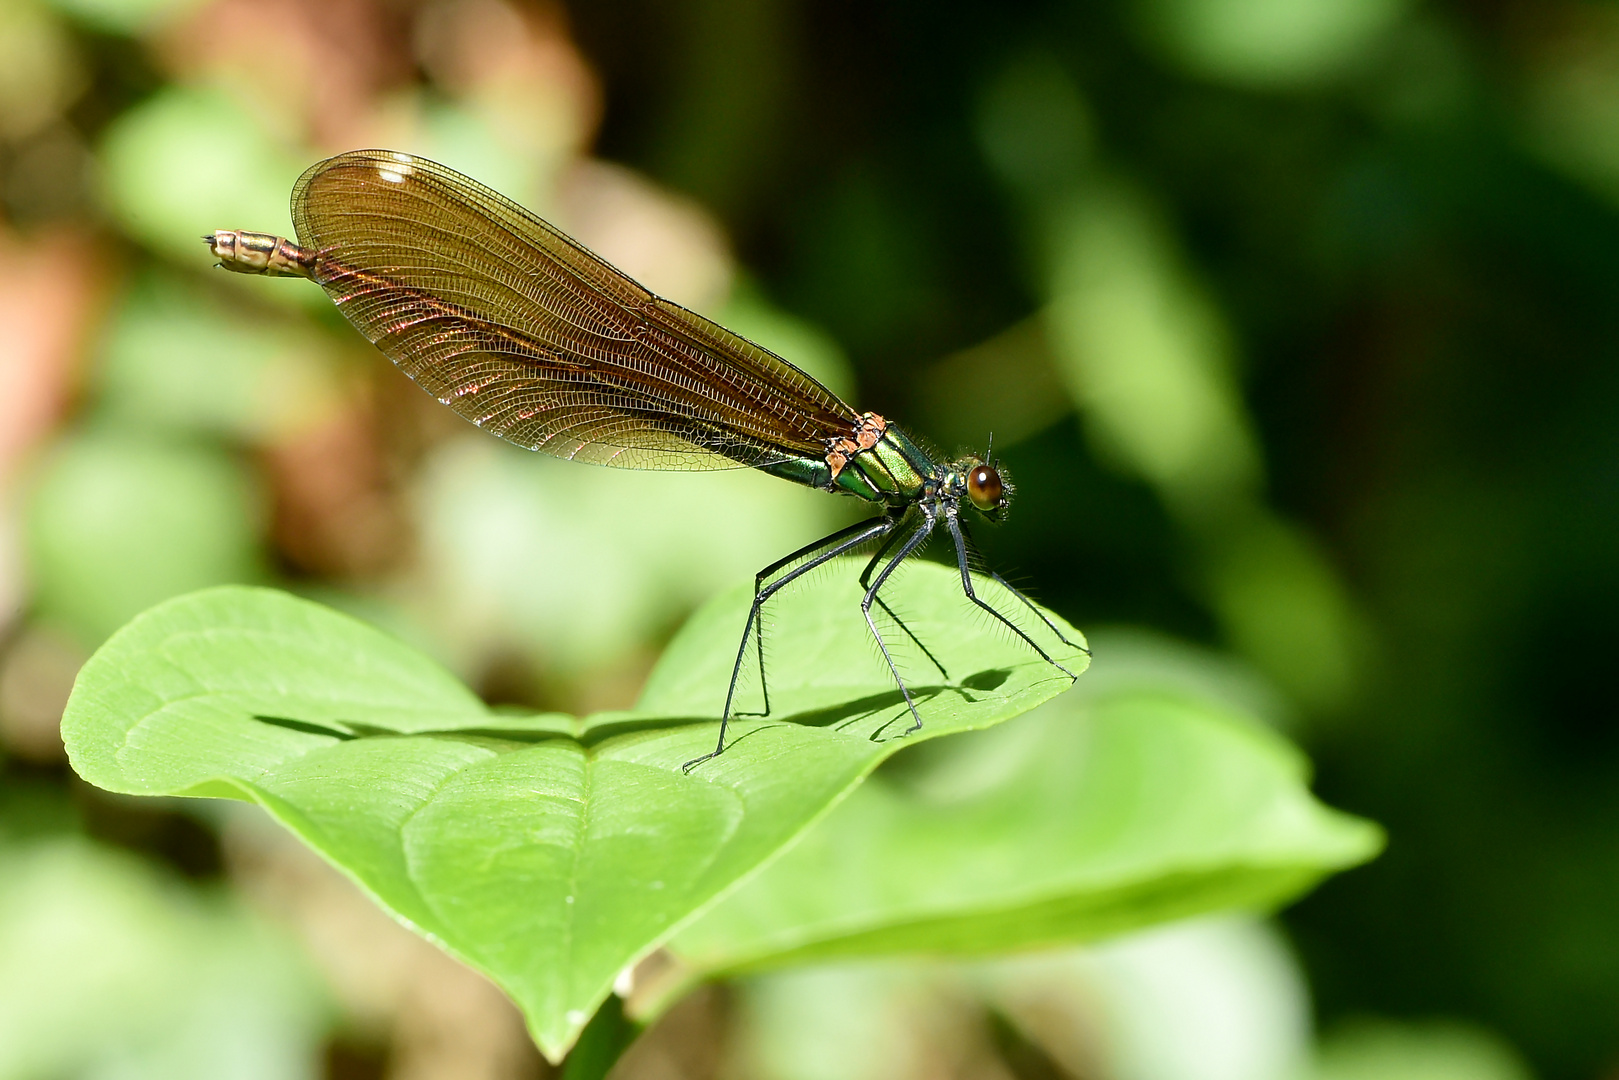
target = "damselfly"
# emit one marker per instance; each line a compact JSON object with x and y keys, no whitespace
{"x":527,"y":334}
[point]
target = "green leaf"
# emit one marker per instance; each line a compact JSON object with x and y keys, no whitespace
{"x":546,"y":851}
{"x":1082,"y":819}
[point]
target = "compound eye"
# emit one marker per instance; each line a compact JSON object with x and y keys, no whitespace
{"x":984,"y":487}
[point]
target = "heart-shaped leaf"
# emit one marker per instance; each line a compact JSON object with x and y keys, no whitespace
{"x":548,"y":852}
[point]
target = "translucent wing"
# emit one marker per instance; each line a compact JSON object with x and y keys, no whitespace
{"x":525,"y":333}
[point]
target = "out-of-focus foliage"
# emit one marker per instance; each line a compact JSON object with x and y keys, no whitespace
{"x":1290,"y":319}
{"x":1382,"y":1050}
{"x":1211,"y":999}
{"x":117,"y":523}
{"x":1207,"y":999}
{"x":184,"y":158}
{"x":1268,"y":43}
{"x":168,"y":363}
{"x":108,"y":970}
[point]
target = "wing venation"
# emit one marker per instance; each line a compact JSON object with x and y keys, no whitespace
{"x":526,"y":333}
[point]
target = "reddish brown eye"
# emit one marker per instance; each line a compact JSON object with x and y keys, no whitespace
{"x":984,"y":487}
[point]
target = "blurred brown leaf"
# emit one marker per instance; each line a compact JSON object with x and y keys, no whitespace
{"x":36,"y":676}
{"x":50,"y":287}
{"x":313,"y":67}
{"x":335,"y":513}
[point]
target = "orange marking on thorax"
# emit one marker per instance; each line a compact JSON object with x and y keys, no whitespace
{"x":868,"y":432}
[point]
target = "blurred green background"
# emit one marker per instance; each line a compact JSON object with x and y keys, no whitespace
{"x":1293,"y":320}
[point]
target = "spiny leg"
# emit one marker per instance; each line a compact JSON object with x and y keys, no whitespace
{"x":914,"y":541}
{"x":1032,"y":606}
{"x":865,"y":580}
{"x":967,"y":587}
{"x":836,"y":544}
{"x":972,"y":546}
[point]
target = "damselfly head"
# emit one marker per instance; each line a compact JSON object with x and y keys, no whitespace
{"x":985,"y":486}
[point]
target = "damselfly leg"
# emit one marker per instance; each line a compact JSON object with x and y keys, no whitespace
{"x":960,"y":539}
{"x":923,"y":530}
{"x":1032,"y":606}
{"x":820,"y":552}
{"x":865,"y":581}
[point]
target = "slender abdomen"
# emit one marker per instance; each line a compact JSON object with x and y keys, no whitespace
{"x":260,"y":253}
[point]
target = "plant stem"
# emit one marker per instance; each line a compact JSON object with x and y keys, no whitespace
{"x":602,"y":1042}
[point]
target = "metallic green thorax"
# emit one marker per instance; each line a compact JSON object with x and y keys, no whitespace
{"x":894,"y":471}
